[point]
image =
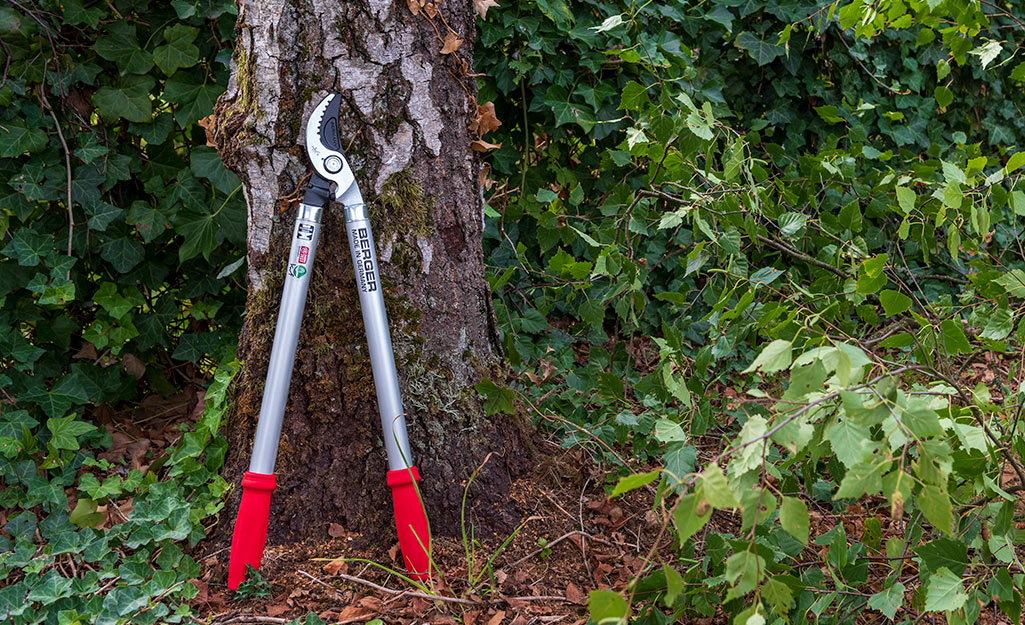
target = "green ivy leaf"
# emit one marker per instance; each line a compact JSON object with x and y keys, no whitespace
{"x":85,"y":514}
{"x":200,"y":237}
{"x":179,"y":51}
{"x":29,"y":247}
{"x":761,"y":50}
{"x":16,"y":138}
{"x":206,"y":163}
{"x":65,"y":431}
{"x":122,"y":47}
{"x":496,"y":398}
{"x":123,"y":253}
{"x":128,"y":99}
{"x":51,"y":588}
{"x":193,"y":98}
{"x":1018,"y":73}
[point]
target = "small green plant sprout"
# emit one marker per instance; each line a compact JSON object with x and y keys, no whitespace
{"x":543,"y":543}
{"x":254,"y":586}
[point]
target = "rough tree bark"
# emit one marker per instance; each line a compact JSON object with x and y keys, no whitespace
{"x":405,"y":125}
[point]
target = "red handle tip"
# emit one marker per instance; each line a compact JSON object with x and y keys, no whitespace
{"x":250,"y":535}
{"x":411,"y":522}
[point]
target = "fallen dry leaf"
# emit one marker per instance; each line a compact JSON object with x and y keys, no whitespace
{"x":519,"y":620}
{"x":482,"y":7}
{"x":202,"y":590}
{"x":480,"y":145}
{"x":277,"y":609}
{"x":575,"y":595}
{"x":414,"y":6}
{"x":393,"y":553}
{"x":136,"y":453}
{"x":334,"y":530}
{"x":452,"y":43}
{"x":133,"y":365}
{"x":497,"y":618}
{"x":334,"y":567}
{"x":88,"y":352}
{"x":352,"y":613}
{"x":431,"y":10}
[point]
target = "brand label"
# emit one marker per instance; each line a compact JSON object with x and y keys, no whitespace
{"x":304,"y":253}
{"x":363,"y":253}
{"x":304,"y":232}
{"x":296,"y":271}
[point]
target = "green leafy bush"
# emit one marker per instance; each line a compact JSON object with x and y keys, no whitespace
{"x":123,"y":236}
{"x":785,"y":230}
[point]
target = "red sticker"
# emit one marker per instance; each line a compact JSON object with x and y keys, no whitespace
{"x":304,"y":253}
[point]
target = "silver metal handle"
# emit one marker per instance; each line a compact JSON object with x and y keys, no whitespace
{"x":375,"y":320}
{"x":286,"y":338}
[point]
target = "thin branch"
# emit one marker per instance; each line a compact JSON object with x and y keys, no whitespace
{"x":67,"y":167}
{"x":556,"y":542}
{"x":783,"y":247}
{"x":392,"y":591}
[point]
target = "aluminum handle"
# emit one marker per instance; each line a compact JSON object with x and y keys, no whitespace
{"x":286,"y":338}
{"x":375,"y":320}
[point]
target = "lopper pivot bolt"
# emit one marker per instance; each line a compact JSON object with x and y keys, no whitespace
{"x":332,"y":176}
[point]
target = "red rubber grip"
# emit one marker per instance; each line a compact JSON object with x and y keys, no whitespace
{"x":250,"y":534}
{"x":411,"y":522}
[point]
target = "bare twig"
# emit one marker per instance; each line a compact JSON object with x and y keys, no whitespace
{"x":392,"y":591}
{"x":250,"y":619}
{"x":67,"y":167}
{"x":786,"y":249}
{"x":556,"y":542}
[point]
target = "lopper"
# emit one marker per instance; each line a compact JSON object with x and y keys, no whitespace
{"x":332,"y":176}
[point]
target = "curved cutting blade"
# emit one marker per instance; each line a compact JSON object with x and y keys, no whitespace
{"x":324,"y":147}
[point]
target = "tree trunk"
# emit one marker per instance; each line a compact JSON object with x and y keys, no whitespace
{"x":405,"y":126}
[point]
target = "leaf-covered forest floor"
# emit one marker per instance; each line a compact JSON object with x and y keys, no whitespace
{"x":589,"y":542}
{"x":573,"y":539}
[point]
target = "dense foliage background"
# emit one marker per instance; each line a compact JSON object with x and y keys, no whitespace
{"x":775,"y":247}
{"x":769,"y":248}
{"x":119,"y":292}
